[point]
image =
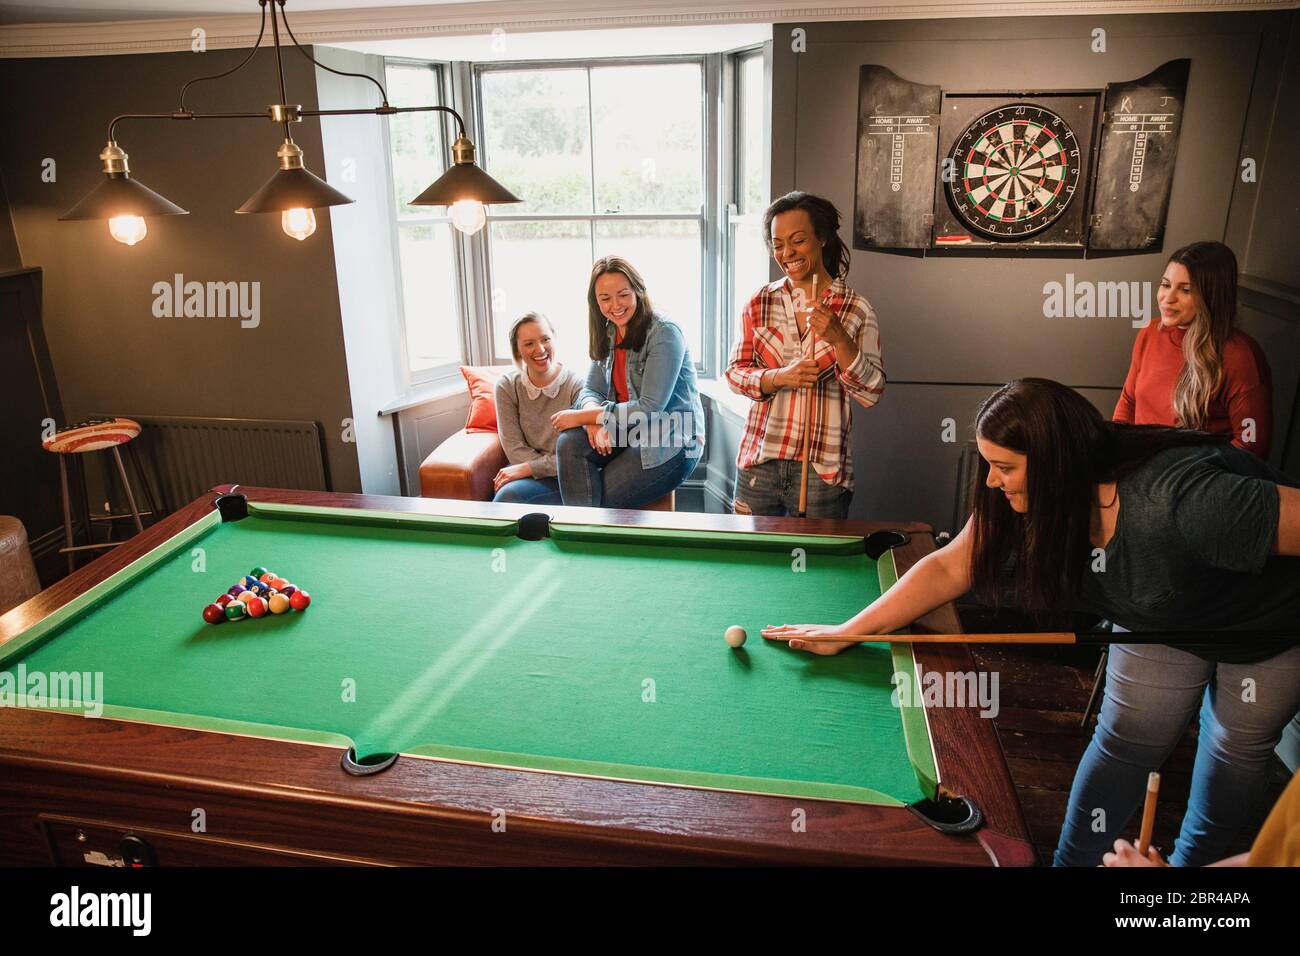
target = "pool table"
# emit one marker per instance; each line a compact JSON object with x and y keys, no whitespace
{"x":480,"y":683}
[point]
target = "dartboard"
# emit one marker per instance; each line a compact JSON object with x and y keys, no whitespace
{"x":1014,"y":171}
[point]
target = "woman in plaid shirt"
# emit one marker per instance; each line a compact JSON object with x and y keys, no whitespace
{"x":812,"y":309}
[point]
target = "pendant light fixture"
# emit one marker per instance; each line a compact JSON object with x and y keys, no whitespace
{"x":293,"y":191}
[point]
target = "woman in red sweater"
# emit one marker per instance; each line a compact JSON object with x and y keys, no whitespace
{"x":1194,"y":368}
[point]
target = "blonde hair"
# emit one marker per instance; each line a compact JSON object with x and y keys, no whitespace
{"x":1213,"y":270}
{"x":520,"y":323}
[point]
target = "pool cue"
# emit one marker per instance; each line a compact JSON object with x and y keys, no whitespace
{"x":807,"y":418}
{"x":1148,"y":813}
{"x":1202,"y":638}
{"x":807,"y":438}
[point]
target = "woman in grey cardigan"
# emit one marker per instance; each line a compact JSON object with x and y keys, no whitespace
{"x":526,"y":400}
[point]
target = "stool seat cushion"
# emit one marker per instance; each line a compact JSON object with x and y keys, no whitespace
{"x":92,"y":436}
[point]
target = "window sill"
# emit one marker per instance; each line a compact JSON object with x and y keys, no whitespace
{"x":424,"y":394}
{"x":719,"y":393}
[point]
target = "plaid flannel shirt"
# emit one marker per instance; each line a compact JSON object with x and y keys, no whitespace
{"x":770,"y":339}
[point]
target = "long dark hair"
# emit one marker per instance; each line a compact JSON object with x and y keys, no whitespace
{"x":597,"y":324}
{"x":826,"y":225}
{"x":1069,"y":448}
{"x":1213,"y":270}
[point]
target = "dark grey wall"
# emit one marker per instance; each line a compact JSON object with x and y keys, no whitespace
{"x":10,"y":257}
{"x":110,"y":353}
{"x":953,"y":329}
{"x":1261,"y":222}
{"x":1261,"y":227}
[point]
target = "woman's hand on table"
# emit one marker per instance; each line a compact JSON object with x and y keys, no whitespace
{"x":511,"y":473}
{"x":793,"y":635}
{"x":599,"y":439}
{"x":1126,"y":854}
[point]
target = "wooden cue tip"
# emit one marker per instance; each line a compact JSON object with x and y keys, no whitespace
{"x":1148,"y":813}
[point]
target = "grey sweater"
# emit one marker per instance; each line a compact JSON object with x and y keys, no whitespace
{"x":524,"y":423}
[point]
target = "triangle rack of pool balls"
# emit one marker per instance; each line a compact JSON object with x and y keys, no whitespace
{"x":261,"y":592}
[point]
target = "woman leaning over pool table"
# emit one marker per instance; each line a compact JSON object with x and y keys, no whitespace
{"x":1196,"y":535}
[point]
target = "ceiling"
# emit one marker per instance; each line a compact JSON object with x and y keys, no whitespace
{"x":52,"y":28}
{"x":90,"y":11}
{"x":87,"y":11}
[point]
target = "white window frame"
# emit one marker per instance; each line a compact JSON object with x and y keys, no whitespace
{"x":706,"y":217}
{"x":459,"y":85}
{"x":447,"y":372}
{"x":728,"y":326}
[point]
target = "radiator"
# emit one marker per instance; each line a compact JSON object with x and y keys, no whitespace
{"x":184,"y":457}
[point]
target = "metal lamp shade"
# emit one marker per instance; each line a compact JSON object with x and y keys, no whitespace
{"x":464,"y":181}
{"x":294,"y":189}
{"x":120,"y":195}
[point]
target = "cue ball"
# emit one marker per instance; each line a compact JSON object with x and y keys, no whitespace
{"x":735,"y":636}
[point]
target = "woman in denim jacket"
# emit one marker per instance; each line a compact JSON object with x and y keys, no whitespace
{"x":638,"y":429}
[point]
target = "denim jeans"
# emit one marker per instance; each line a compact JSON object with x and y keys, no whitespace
{"x":1152,"y":692}
{"x":530,"y":491}
{"x":772,"y":488}
{"x":616,"y":480}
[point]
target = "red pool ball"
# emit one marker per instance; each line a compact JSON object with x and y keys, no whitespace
{"x":214,"y":614}
{"x":223,"y":600}
{"x":257,"y":607}
{"x":299,"y":600}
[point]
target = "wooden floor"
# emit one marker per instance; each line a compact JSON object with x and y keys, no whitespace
{"x":1043,"y":693}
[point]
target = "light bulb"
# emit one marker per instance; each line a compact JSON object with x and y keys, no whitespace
{"x":299,"y":223}
{"x":127,"y":229}
{"x":468,"y":215}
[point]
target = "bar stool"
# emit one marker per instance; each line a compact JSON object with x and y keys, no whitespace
{"x":100,"y":434}
{"x":1098,"y":678}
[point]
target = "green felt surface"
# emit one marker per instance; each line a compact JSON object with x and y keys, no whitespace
{"x":595,"y":651}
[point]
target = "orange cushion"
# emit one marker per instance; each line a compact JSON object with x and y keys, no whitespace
{"x":482,"y":380}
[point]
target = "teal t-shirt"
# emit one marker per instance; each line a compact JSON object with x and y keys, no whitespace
{"x":1191,"y":551}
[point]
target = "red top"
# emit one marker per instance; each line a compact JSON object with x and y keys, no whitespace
{"x":619,"y":374}
{"x":1246,"y":391}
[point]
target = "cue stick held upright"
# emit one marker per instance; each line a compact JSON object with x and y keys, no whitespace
{"x":806,"y":452}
